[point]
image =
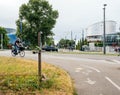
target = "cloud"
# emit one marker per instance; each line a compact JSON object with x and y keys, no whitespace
{"x":9,"y":12}
{"x":73,"y":14}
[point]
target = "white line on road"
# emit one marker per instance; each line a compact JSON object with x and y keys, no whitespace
{"x":113,"y":83}
{"x":78,"y":69}
{"x":90,"y":81}
{"x":116,"y":61}
{"x":93,"y":68}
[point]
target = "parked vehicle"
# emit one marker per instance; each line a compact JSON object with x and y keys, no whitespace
{"x":50,"y":48}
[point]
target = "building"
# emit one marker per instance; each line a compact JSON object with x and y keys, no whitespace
{"x":11,"y":34}
{"x":94,"y":34}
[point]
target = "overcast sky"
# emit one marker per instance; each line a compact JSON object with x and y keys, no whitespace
{"x":74,"y":15}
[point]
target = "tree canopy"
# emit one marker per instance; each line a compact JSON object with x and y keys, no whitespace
{"x":5,"y":37}
{"x":66,"y":43}
{"x":36,"y":16}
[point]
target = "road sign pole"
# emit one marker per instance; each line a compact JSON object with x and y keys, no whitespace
{"x":39,"y":58}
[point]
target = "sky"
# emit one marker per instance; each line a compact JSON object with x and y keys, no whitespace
{"x":74,"y":15}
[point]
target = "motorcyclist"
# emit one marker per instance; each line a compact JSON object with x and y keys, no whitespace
{"x":17,"y":45}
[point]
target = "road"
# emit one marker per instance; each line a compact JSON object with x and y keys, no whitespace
{"x":92,"y":74}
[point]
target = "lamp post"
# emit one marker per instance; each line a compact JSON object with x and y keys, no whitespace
{"x":82,"y":38}
{"x":21,"y":25}
{"x":104,"y":46}
{"x":71,"y":47}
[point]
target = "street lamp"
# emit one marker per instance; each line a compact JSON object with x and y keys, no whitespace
{"x":21,"y":25}
{"x":104,"y":47}
{"x":82,"y":40}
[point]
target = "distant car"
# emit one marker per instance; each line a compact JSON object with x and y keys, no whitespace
{"x":50,"y":48}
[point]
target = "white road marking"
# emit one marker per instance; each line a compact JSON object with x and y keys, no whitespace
{"x":78,"y":69}
{"x":85,"y":73}
{"x":92,"y":68}
{"x":116,"y":61}
{"x":114,"y":84}
{"x":90,"y":81}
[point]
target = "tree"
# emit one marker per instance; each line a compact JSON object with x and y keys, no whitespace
{"x":5,"y":37}
{"x":50,"y":41}
{"x":99,"y":44}
{"x":62,"y":43}
{"x":37,"y":16}
{"x":81,"y":43}
{"x":78,"y":45}
{"x":66,"y":43}
{"x":85,"y":42}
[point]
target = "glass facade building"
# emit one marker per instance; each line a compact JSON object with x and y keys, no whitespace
{"x":95,"y":33}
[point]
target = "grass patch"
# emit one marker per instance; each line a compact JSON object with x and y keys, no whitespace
{"x":19,"y":77}
{"x":85,"y":52}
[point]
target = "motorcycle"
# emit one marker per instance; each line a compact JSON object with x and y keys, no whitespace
{"x":20,"y":51}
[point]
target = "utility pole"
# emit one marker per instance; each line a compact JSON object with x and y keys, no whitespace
{"x":71,"y":36}
{"x":71,"y":40}
{"x":21,"y":25}
{"x":82,"y":37}
{"x":75,"y":40}
{"x":21,"y":28}
{"x":65,"y":43}
{"x":104,"y":28}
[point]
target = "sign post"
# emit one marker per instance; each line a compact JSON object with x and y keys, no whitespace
{"x":39,"y":57}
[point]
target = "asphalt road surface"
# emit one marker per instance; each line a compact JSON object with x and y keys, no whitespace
{"x":92,"y":74}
